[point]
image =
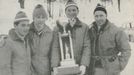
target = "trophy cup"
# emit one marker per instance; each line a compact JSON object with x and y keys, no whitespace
{"x":67,"y":63}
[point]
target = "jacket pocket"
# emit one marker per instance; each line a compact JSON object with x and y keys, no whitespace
{"x":113,"y":64}
{"x":122,"y":63}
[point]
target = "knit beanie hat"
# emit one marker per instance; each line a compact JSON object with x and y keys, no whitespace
{"x":38,"y":11}
{"x":100,"y":8}
{"x":70,"y":3}
{"x":21,"y":16}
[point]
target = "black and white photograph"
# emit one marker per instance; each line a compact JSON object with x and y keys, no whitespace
{"x":66,"y":37}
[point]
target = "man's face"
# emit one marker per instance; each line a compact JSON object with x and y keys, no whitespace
{"x":71,"y":11}
{"x":39,"y":22}
{"x":22,"y":28}
{"x":100,"y":17}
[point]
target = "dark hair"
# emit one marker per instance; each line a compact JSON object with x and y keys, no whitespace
{"x":16,"y":23}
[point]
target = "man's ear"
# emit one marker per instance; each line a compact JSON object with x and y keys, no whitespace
{"x":33,"y":18}
{"x":78,"y":12}
{"x":15,"y":25}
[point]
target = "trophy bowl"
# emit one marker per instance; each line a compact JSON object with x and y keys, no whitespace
{"x":63,"y":21}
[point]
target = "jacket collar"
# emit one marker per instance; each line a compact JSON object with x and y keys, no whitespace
{"x":103,"y":27}
{"x":69,"y":27}
{"x":14,"y":36}
{"x":45,"y":29}
{"x":77,"y":24}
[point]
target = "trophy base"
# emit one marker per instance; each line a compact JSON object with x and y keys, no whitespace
{"x":65,"y":35}
{"x":71,"y":70}
{"x":68,"y":62}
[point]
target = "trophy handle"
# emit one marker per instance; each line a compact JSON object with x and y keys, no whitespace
{"x":61,"y":46}
{"x":71,"y":44}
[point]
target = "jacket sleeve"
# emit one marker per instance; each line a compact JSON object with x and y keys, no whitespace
{"x":55,"y":54}
{"x":4,"y":46}
{"x":86,"y":49}
{"x":14,"y":68}
{"x":123,"y":46}
{"x":8,"y":46}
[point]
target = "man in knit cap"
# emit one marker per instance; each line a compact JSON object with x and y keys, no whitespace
{"x":109,"y":45}
{"x":80,"y":40}
{"x":40,"y":37}
{"x":15,"y":58}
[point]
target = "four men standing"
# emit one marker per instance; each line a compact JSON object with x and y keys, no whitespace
{"x":101,"y":50}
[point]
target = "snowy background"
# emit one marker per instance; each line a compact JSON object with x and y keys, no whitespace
{"x":9,"y":8}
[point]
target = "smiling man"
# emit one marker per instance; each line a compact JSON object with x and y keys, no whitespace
{"x":15,"y":53}
{"x":40,"y":42}
{"x":79,"y":35}
{"x":109,"y":45}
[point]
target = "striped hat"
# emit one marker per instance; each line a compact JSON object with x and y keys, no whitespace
{"x":21,"y":16}
{"x":100,"y":8}
{"x":70,"y":3}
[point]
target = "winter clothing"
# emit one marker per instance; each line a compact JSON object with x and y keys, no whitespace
{"x":40,"y":44}
{"x":70,"y":3}
{"x":80,"y":42}
{"x":21,"y":16}
{"x":39,"y":11}
{"x":110,"y":49}
{"x":100,"y":8}
{"x":15,"y":56}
